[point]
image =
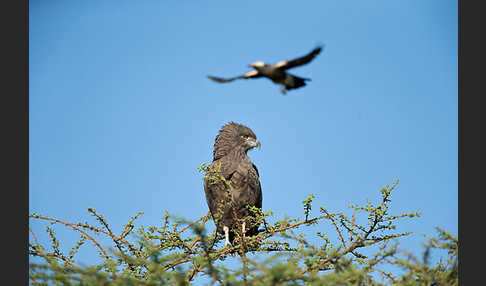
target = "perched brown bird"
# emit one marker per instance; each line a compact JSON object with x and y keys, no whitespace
{"x":230,"y":198}
{"x":277,"y":73}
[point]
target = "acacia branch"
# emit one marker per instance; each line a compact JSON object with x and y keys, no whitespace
{"x":197,"y":238}
{"x":76,"y":228}
{"x":272,"y":231}
{"x":35,"y":238}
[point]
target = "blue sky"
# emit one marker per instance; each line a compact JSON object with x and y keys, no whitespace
{"x":121,"y":111}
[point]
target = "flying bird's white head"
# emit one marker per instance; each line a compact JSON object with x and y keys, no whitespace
{"x":257,"y":65}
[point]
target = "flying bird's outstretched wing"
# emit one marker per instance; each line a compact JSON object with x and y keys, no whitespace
{"x":299,"y":61}
{"x":250,"y":74}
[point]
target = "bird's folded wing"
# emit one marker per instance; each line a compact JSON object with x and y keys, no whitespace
{"x":299,"y":61}
{"x":250,"y":74}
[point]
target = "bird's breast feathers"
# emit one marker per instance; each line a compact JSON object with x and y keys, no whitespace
{"x":245,"y":174}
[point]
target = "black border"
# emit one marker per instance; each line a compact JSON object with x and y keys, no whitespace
{"x":14,"y":21}
{"x":471,"y":132}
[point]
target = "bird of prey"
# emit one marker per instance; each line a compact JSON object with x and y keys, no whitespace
{"x":277,"y":72}
{"x":238,"y":185}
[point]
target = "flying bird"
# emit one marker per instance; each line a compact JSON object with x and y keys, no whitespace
{"x":228,"y":199}
{"x":277,"y":72}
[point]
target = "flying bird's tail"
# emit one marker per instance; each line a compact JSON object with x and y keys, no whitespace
{"x":292,"y":81}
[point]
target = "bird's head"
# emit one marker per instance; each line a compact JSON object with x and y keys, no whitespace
{"x":234,"y":137}
{"x":249,"y":141}
{"x":257,"y":65}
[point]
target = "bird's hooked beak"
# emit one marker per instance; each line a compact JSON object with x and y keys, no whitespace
{"x":255,"y":143}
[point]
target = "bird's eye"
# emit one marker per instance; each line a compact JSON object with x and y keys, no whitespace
{"x":244,"y":137}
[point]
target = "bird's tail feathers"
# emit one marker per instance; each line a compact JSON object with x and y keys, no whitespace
{"x":293,"y":81}
{"x":302,"y":78}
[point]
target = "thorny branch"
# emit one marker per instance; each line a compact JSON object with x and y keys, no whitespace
{"x":193,"y":248}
